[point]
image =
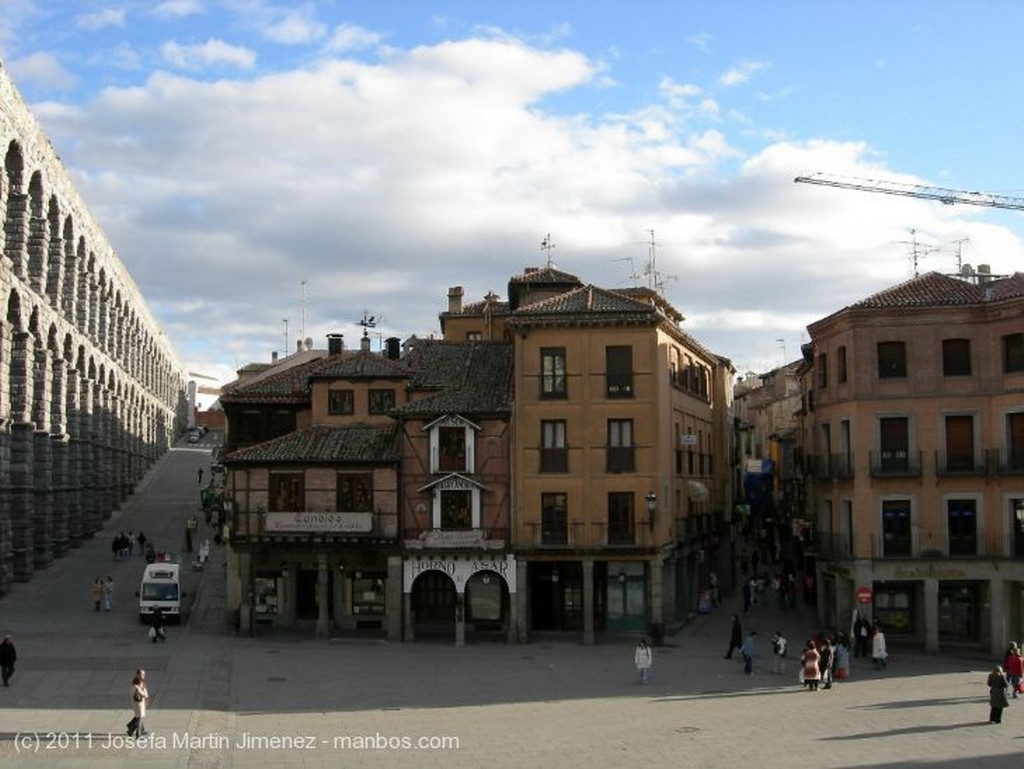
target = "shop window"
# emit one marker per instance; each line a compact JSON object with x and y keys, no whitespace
{"x":483,"y":597}
{"x":265,"y":597}
{"x":340,"y":402}
{"x":959,"y":608}
{"x":367,"y":595}
{"x":893,"y":609}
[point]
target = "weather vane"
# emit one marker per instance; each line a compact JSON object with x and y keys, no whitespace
{"x":368,"y":322}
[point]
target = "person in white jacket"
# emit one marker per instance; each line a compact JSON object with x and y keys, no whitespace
{"x":878,"y":651}
{"x":642,"y":658}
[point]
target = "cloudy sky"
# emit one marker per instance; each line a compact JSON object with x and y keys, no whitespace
{"x":274,"y":170}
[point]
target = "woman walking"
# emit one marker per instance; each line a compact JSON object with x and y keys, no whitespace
{"x":642,"y":658}
{"x":1014,"y":665}
{"x":140,"y":698}
{"x":809,"y":667}
{"x":997,"y":695}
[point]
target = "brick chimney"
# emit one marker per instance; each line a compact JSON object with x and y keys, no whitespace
{"x":455,"y":299}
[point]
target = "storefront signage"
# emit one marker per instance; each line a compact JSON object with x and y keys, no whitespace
{"x":930,"y":573}
{"x":320,"y":523}
{"x":461,"y":569}
{"x":441,"y":539}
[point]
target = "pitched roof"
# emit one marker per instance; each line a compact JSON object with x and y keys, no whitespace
{"x":359,"y":364}
{"x":287,"y":385}
{"x":549,"y":274}
{"x":585,"y":302}
{"x":936,"y":290}
{"x":360,"y":443}
{"x":459,"y":378}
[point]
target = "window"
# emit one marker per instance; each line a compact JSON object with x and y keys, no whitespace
{"x":452,"y":449}
{"x":894,"y":444}
{"x":355,"y":493}
{"x":1017,"y":526}
{"x":1013,"y":353}
{"x":620,"y":518}
{"x":895,"y":528}
{"x":340,"y":402}
{"x":620,"y":446}
{"x":841,"y":365}
{"x":554,"y":522}
{"x":619,"y":372}
{"x":456,"y":509}
{"x":1015,"y":439}
{"x":962,"y":526}
{"x":892,"y":360}
{"x":554,"y":457}
{"x":960,"y":443}
{"x":956,"y":357}
{"x":822,"y":367}
{"x":473,"y":336}
{"x":552,"y":372}
{"x":286,"y":493}
{"x":381,"y":401}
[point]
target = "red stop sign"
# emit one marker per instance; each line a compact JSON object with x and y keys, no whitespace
{"x":863,"y":595}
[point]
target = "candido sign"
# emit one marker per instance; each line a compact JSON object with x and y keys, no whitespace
{"x":321,"y":523}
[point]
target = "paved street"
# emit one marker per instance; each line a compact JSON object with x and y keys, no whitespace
{"x":289,"y":701}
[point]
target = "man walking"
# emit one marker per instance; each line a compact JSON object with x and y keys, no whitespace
{"x":778,"y":652}
{"x":735,"y":637}
{"x":748,"y":653}
{"x":8,"y":656}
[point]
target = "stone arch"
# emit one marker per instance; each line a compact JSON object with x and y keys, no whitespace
{"x":54,"y":269}
{"x":433,"y":601}
{"x":37,"y":233}
{"x":16,"y":209}
{"x":487,"y":602}
{"x":68,"y":270}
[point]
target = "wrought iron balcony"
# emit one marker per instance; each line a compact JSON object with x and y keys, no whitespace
{"x":895,"y":464}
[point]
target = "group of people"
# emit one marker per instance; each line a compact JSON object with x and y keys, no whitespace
{"x":102,"y":593}
{"x":1005,"y":683}
{"x":825,"y":660}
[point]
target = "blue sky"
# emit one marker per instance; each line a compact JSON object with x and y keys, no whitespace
{"x":383,"y":151}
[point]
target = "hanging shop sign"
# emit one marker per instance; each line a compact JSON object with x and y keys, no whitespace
{"x":318,"y":523}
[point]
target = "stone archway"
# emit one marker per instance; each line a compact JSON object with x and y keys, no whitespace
{"x":434,"y":603}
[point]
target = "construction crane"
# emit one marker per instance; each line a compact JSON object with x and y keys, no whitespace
{"x":941,"y":194}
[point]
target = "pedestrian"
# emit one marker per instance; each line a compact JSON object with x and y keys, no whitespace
{"x":108,"y":593}
{"x":131,"y":543}
{"x":642,"y":658}
{"x":141,"y":538}
{"x":810,"y":674}
{"x":97,"y":593}
{"x":140,"y":699}
{"x":878,"y":651}
{"x":156,"y":626}
{"x":747,"y":652}
{"x":747,"y":594}
{"x":842,"y":658}
{"x":1014,"y":666}
{"x":8,"y":656}
{"x":826,"y":657}
{"x":778,"y":653}
{"x":115,"y":547}
{"x":861,"y":631}
{"x":735,"y":636}
{"x":997,"y":695}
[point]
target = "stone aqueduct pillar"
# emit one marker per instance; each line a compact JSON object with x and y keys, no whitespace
{"x":90,"y":391}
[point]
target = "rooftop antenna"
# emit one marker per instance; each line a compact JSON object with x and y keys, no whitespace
{"x":547,"y":245}
{"x":285,"y":321}
{"x":633,"y":275}
{"x":917,"y":250}
{"x":959,"y":243}
{"x":783,"y":343}
{"x":368,"y":322}
{"x":655,"y":280}
{"x":302,"y":332}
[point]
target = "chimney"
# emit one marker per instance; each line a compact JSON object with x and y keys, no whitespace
{"x":335,"y":344}
{"x":984,"y":273}
{"x":273,"y":357}
{"x":364,"y":343}
{"x":298,"y":345}
{"x":455,"y":300}
{"x":393,"y":347}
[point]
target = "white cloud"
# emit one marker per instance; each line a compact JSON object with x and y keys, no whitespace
{"x":348,"y":37}
{"x":42,"y":69}
{"x":107,"y":17}
{"x":178,"y":9}
{"x":701,"y":41}
{"x":298,"y":26}
{"x":741,"y":73}
{"x":211,"y":53}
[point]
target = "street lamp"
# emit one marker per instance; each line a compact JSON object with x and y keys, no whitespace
{"x":652,"y":507}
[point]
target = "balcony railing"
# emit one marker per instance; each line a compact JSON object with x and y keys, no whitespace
{"x":1007,"y":461}
{"x":825,"y":466}
{"x":620,"y":459}
{"x":956,"y":464}
{"x":895,"y":464}
{"x":579,"y":535}
{"x":929,"y":543}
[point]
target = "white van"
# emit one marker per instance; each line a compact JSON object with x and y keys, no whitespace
{"x":160,"y":589}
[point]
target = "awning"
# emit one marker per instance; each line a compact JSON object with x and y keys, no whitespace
{"x":697,"y":491}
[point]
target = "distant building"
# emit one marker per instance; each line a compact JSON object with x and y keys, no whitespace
{"x":914,"y":431}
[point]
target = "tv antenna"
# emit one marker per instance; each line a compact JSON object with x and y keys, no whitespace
{"x":782,"y":343}
{"x":302,"y":331}
{"x":655,"y":280}
{"x":368,"y":322}
{"x":959,"y":243}
{"x":285,"y":321}
{"x":546,"y":246}
{"x":918,"y":251}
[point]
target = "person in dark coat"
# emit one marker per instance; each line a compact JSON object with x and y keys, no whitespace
{"x":997,"y":695}
{"x":8,"y":656}
{"x":735,"y":637}
{"x":156,"y":626}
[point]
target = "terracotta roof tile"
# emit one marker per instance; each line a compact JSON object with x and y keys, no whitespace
{"x":936,"y":290}
{"x":325,"y":444}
